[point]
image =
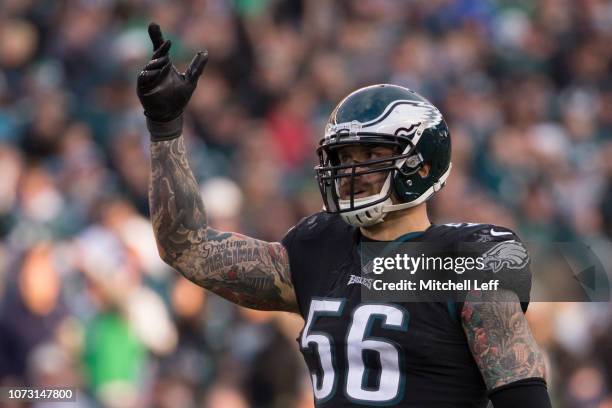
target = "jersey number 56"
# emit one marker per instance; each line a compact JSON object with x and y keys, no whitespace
{"x":358,"y":340}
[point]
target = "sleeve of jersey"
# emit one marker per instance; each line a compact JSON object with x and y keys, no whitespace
{"x":292,"y":243}
{"x":287,"y":242}
{"x":504,"y":258}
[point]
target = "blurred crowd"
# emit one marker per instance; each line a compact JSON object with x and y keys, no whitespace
{"x":525,"y":87}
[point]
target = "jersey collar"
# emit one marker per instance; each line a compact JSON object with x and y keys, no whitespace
{"x":402,"y":238}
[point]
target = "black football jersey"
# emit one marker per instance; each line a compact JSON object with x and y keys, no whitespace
{"x":409,"y":354}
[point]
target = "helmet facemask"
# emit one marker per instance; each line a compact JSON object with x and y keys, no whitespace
{"x":339,"y":182}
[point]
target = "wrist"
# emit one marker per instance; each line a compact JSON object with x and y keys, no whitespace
{"x":168,"y":130}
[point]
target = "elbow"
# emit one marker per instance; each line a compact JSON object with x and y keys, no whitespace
{"x":173,"y":261}
{"x":165,"y":255}
{"x":168,"y":260}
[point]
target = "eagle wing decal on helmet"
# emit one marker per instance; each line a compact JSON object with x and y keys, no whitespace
{"x":416,"y":112}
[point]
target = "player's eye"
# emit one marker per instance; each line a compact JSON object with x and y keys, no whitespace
{"x":364,"y":155}
{"x":380,"y":153}
{"x":345,"y":158}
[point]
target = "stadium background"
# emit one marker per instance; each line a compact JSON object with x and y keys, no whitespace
{"x":525,"y":87}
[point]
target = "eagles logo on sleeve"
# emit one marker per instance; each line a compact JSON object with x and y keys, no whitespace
{"x":507,"y":254}
{"x":502,"y":253}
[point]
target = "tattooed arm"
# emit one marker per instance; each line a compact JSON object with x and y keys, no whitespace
{"x":500,"y":339}
{"x":246,"y":271}
{"x":243,"y":270}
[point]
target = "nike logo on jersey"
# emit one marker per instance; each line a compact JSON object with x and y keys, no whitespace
{"x":499,"y":233}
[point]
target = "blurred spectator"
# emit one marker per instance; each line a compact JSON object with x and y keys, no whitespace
{"x":31,"y":311}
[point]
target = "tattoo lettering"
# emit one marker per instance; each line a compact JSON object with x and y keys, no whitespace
{"x":244,"y":270}
{"x":500,"y":339}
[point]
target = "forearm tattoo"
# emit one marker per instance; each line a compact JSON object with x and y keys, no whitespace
{"x":246,"y":271}
{"x":500,"y":339}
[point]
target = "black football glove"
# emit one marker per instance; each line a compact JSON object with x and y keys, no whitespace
{"x":163,"y":91}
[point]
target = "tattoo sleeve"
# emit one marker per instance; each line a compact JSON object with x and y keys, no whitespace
{"x":246,"y":271}
{"x":500,"y":339}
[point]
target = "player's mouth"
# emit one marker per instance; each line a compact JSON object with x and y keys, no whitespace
{"x":359,"y":192}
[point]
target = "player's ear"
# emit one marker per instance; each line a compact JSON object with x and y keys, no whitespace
{"x":424,"y":170}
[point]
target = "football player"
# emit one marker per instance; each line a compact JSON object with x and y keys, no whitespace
{"x":386,"y":151}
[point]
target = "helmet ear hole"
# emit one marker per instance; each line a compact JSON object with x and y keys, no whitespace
{"x":424,"y":170}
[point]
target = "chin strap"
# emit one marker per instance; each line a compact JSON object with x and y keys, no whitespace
{"x":370,"y":215}
{"x":366,"y":217}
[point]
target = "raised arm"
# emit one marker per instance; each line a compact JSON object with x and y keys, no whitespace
{"x":506,"y":353}
{"x":246,"y":271}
